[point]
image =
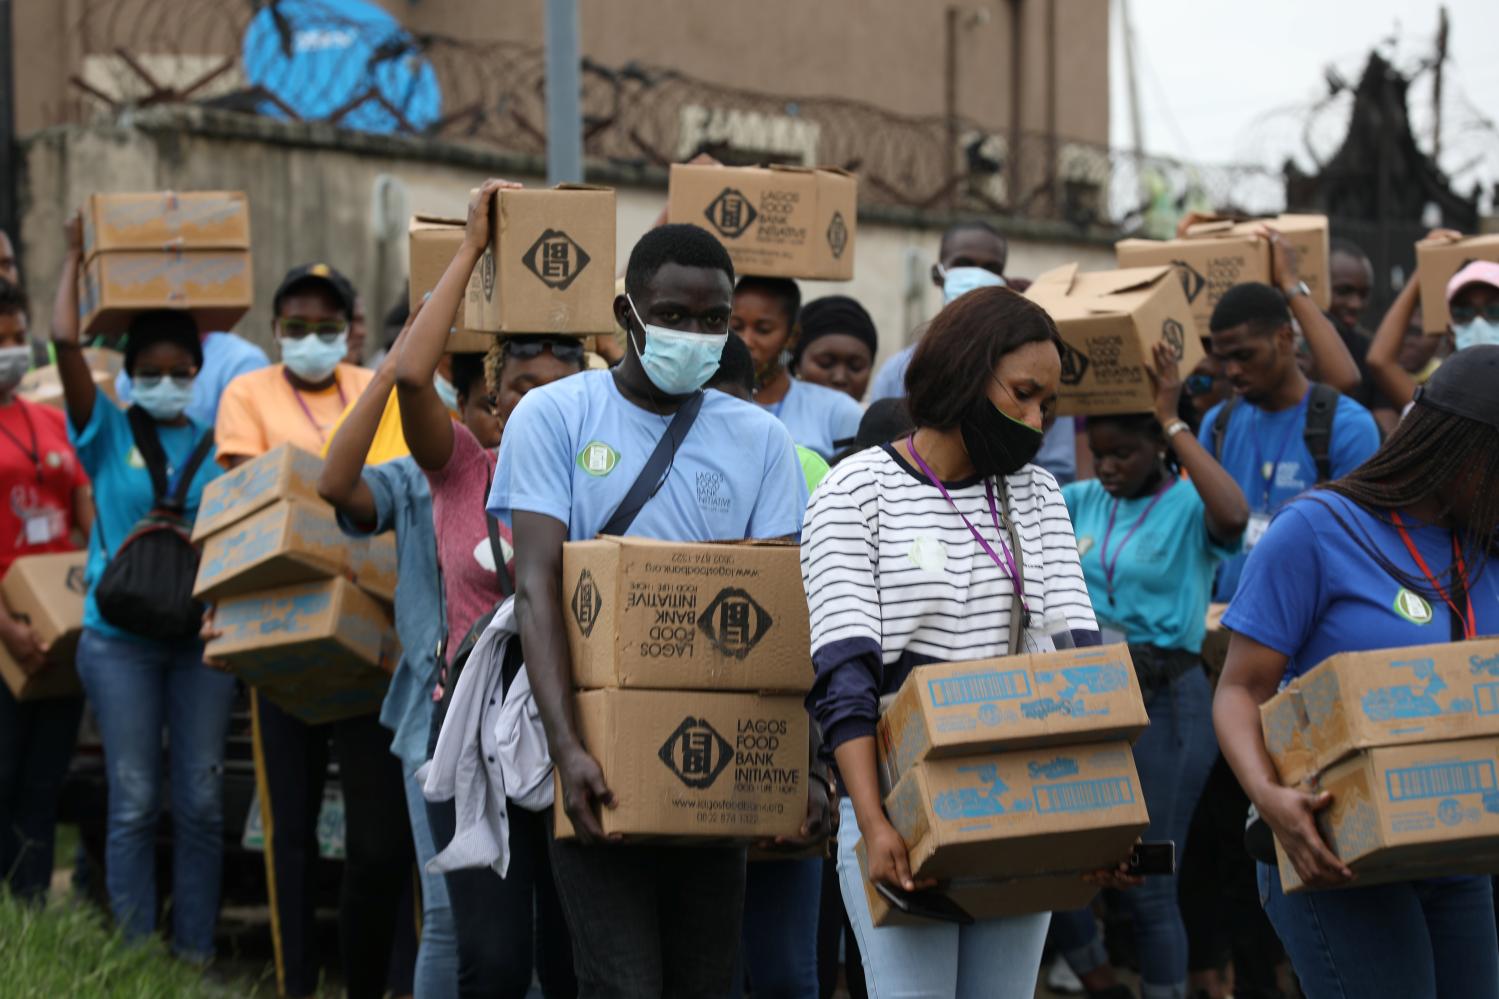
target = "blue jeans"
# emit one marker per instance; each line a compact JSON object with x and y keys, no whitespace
{"x":139,"y":691}
{"x":993,"y":959}
{"x":437,"y":954}
{"x":1413,"y":939}
{"x":36,"y":743}
{"x":1174,"y":757}
{"x":782,"y":900}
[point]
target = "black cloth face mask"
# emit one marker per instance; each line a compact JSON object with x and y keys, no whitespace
{"x":997,"y":443}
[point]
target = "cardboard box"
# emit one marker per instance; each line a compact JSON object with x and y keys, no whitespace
{"x":42,"y":385}
{"x":673,"y":616}
{"x":166,"y":220}
{"x":1215,"y":642}
{"x":550,"y":264}
{"x":987,"y":898}
{"x":47,"y":592}
{"x":292,"y":542}
{"x":216,"y":286}
{"x":1110,"y":322}
{"x":1049,"y":811}
{"x":1219,"y":254}
{"x":777,"y":221}
{"x":1386,"y":697}
{"x":434,"y":244}
{"x":285,"y":472}
{"x":1403,"y":812}
{"x":945,"y":710}
{"x":1436,"y":262}
{"x":687,"y":765}
{"x":322,"y":651}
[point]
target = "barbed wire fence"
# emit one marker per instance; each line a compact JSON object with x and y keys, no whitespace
{"x":262,"y":57}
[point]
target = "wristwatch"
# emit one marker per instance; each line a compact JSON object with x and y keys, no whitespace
{"x":1175,"y":427}
{"x":1300,"y":289}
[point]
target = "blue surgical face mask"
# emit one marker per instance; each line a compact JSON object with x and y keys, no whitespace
{"x":446,"y":392}
{"x":310,"y":358}
{"x":959,"y":281}
{"x":676,"y":362}
{"x":164,"y":398}
{"x":1476,"y":331}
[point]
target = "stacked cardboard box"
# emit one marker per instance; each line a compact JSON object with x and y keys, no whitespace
{"x":46,"y":592}
{"x":692,"y":660}
{"x":1010,"y":778}
{"x":165,"y":250}
{"x":1436,"y":262}
{"x":42,"y":385}
{"x":434,"y":242}
{"x":1407,"y":742}
{"x":303,"y":610}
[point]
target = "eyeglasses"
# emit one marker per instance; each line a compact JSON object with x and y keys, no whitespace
{"x":1198,"y":384}
{"x":1463,"y":314}
{"x":296,"y":329}
{"x":182,"y":378}
{"x":562,"y":350}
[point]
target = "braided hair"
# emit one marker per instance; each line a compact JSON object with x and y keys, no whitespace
{"x":1431,"y":454}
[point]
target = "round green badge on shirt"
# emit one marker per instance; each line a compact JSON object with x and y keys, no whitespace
{"x":1413,"y":607}
{"x":598,"y":459}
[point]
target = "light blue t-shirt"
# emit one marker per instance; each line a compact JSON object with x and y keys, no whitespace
{"x":1255,"y":438}
{"x":890,"y":380}
{"x":1163,"y":575}
{"x":122,"y":488}
{"x":1309,"y":590}
{"x":403,"y":504}
{"x":573,"y":448}
{"x":226,"y":356}
{"x":819,"y":418}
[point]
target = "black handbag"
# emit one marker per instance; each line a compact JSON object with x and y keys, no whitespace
{"x":147,"y":587}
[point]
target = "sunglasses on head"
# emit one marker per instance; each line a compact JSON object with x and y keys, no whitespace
{"x":296,"y":329}
{"x":1198,"y":384}
{"x":1466,"y":313}
{"x":562,"y":350}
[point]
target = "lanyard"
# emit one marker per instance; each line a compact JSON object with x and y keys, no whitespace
{"x":1267,"y":468}
{"x":35,"y":451}
{"x":1103,"y":552}
{"x":317,"y":428}
{"x":1007,"y":564}
{"x":1469,"y":621}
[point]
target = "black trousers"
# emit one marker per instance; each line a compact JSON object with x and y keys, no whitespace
{"x":291,"y":763}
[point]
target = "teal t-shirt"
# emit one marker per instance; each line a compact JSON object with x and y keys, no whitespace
{"x":1163,"y":576}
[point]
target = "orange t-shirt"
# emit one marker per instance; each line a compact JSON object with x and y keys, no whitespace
{"x":260,"y":410}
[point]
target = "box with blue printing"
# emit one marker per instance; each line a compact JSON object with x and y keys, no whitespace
{"x":285,"y":472}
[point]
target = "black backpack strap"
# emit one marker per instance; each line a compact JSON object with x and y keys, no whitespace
{"x":188,"y":471}
{"x":656,"y":467}
{"x":1322,"y":406}
{"x":507,"y":585}
{"x":148,"y":443}
{"x":1220,"y":426}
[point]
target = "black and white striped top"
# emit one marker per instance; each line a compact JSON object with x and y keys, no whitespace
{"x":895,"y":579}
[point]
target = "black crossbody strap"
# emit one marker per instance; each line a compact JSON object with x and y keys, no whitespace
{"x":507,"y":585}
{"x":185,"y":476}
{"x":148,"y":443}
{"x":649,"y":480}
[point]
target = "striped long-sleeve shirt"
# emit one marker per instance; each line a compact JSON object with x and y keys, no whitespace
{"x":894,"y":579}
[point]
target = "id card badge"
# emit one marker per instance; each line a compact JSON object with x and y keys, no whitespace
{"x":1255,"y":530}
{"x":38,"y":530}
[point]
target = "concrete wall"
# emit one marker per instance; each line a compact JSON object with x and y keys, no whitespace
{"x":320,"y":194}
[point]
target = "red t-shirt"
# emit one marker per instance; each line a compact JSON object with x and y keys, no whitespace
{"x":39,"y":473}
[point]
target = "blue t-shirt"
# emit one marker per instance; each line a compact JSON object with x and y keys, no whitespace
{"x":226,"y":356}
{"x":890,"y":380}
{"x":403,"y":504}
{"x":1163,"y":576}
{"x":1310,"y":591}
{"x":1255,"y":438}
{"x":819,"y":418}
{"x":573,"y":448}
{"x":122,"y":488}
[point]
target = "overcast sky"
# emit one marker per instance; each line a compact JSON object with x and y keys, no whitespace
{"x":1238,"y":82}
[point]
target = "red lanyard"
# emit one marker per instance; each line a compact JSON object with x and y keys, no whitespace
{"x":317,"y":427}
{"x":1469,"y":621}
{"x":1103,"y":551}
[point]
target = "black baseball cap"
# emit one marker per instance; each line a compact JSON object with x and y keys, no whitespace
{"x":320,"y":274}
{"x":1464,"y":385}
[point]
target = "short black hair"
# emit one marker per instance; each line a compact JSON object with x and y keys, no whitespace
{"x":683,"y":245}
{"x":1347,"y":248}
{"x":735,"y":366}
{"x":1259,"y":306}
{"x":783,"y":290}
{"x":13,"y":300}
{"x":172,"y":326}
{"x":971,"y":225}
{"x":468,"y":370}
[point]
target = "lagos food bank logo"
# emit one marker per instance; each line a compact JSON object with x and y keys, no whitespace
{"x":586,"y":603}
{"x":837,"y":235}
{"x":598,"y":459}
{"x":486,"y":274}
{"x":1413,"y":607}
{"x":696,"y":753}
{"x":1074,"y":364}
{"x":1173,"y":336}
{"x":1192,"y":281}
{"x":556,"y":258}
{"x":734,"y":623}
{"x":731,"y":213}
{"x":76,"y":581}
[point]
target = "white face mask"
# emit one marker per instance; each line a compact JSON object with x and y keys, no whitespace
{"x":312,"y":360}
{"x":959,"y":281}
{"x":14,"y":363}
{"x":165,"y":397}
{"x":678,"y":362}
{"x":446,"y":392}
{"x":1476,"y":331}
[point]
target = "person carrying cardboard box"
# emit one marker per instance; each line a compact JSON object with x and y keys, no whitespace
{"x":645,"y":919}
{"x":1396,"y":553}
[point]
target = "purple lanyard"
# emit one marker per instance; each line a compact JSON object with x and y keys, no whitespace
{"x":1103,"y":551}
{"x":1007,"y":564}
